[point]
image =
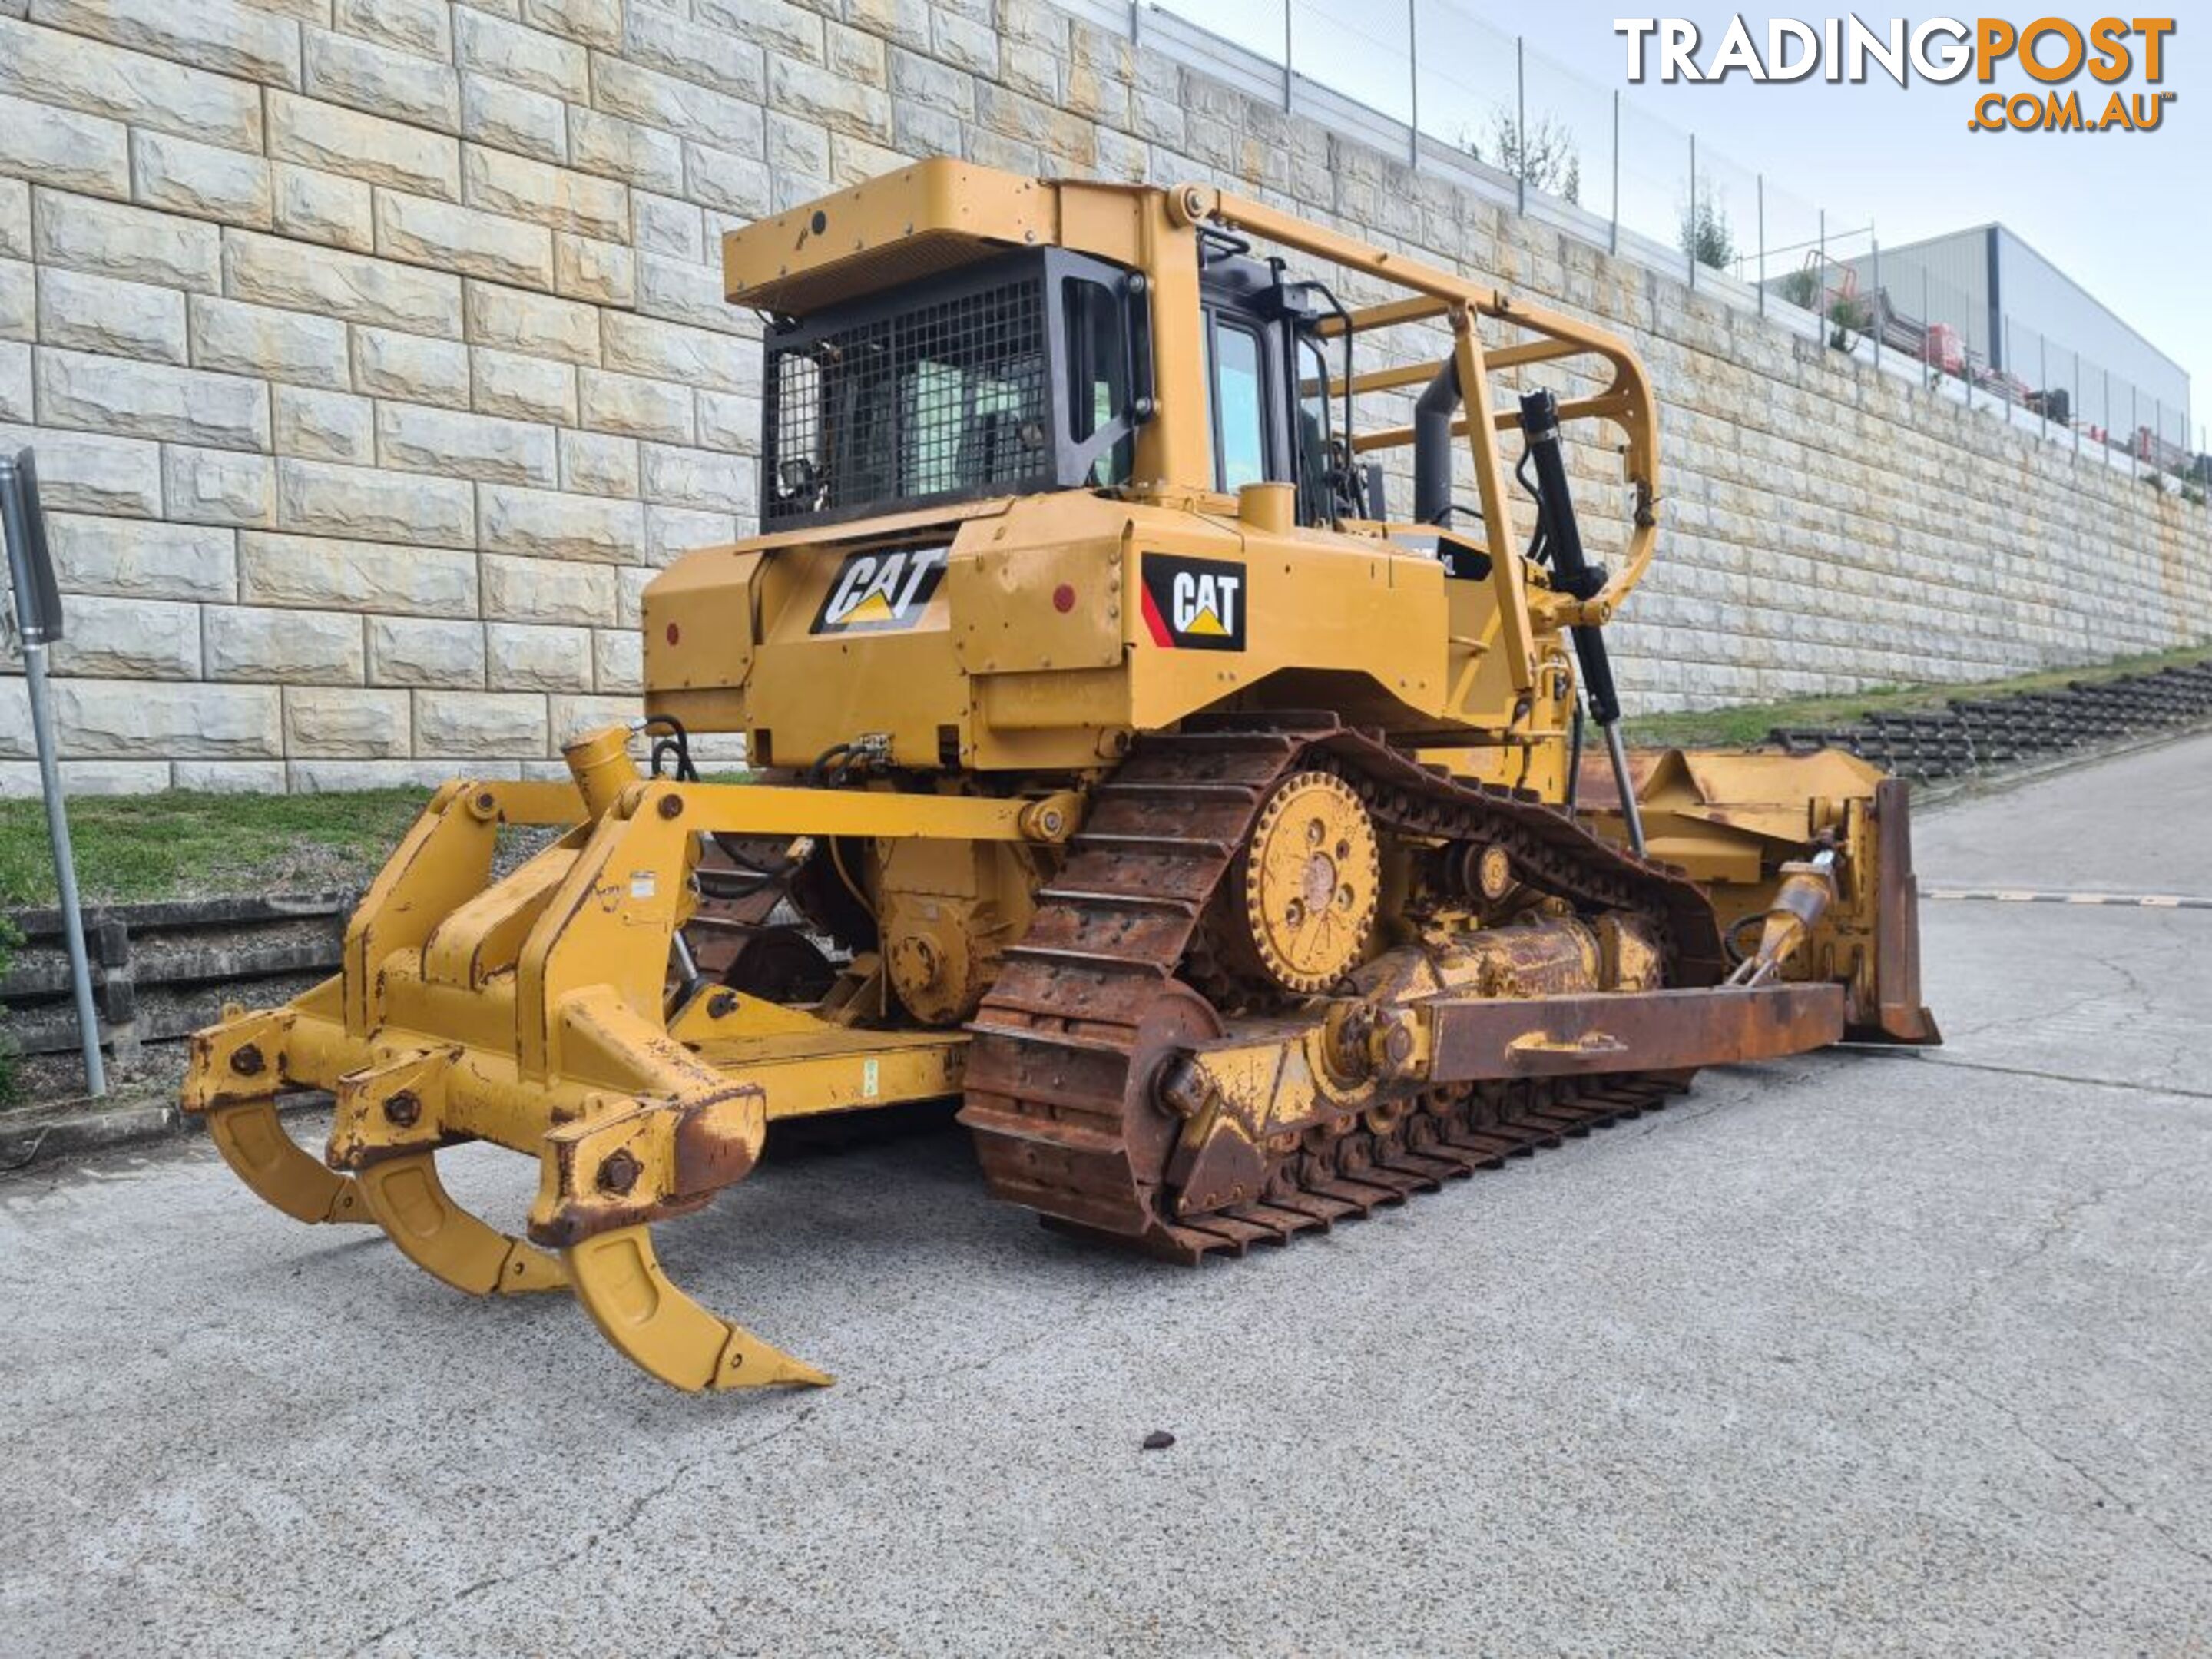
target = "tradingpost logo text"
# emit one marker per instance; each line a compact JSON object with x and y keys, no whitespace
{"x":2125,"y":58}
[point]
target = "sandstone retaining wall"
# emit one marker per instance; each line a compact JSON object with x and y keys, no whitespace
{"x":375,"y":357}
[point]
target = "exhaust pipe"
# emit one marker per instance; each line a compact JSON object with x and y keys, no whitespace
{"x":1432,"y":446}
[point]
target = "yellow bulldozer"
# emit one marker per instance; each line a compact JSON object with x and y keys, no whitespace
{"x":1119,"y":764}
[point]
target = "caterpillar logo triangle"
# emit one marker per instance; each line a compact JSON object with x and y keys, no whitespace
{"x":1193,"y":605}
{"x":875,"y":608}
{"x":880,"y":590}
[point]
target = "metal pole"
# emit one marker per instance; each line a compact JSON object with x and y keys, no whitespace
{"x":1762,"y":245}
{"x":50,"y":780}
{"x":1969,"y":353}
{"x":2043,"y":380}
{"x":1616,"y":247}
{"x":1521,"y":95}
{"x":1136,"y":22}
{"x":1874,"y":305}
{"x":2004,"y":382}
{"x":1287,"y":5}
{"x":1694,"y":226}
{"x":1928,"y":325}
{"x":22,"y":530}
{"x":2135,"y":432}
{"x":1414,"y":80}
{"x":1625,"y":784}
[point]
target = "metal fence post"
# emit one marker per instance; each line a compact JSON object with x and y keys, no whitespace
{"x":2005,"y":376}
{"x":1874,"y":306}
{"x":2135,"y":431}
{"x":2042,"y":381}
{"x":1414,"y":81}
{"x":1969,"y":354}
{"x":1136,"y":22}
{"x":1520,"y":118}
{"x":1616,"y":247}
{"x":1287,"y":6}
{"x":1693,"y":226}
{"x":1821,"y":281}
{"x":1927,"y":326}
{"x":1762,"y":245}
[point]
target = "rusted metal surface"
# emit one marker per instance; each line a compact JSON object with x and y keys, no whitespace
{"x":711,"y":1150}
{"x":1071,"y":1044}
{"x":1474,"y":1039}
{"x":1904,"y":1018}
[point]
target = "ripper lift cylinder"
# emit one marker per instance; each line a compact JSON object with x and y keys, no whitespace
{"x":1572,"y":573}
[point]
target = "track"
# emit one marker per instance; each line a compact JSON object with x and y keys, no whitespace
{"x":1090,"y":1004}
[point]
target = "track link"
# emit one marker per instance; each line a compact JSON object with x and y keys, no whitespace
{"x":1088,"y":1004}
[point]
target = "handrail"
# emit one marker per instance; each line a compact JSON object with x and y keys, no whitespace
{"x":1627,"y":403}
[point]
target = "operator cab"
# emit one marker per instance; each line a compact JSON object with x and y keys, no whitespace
{"x":1025,"y":372}
{"x":1267,"y":374}
{"x":1030,"y":372}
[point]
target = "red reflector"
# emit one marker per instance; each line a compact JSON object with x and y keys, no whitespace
{"x":674,"y":633}
{"x":1063,"y":598}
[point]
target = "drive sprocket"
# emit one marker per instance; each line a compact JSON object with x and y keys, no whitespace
{"x":1307,"y":883}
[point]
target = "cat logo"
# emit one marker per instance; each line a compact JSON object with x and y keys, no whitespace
{"x":1196,"y":604}
{"x":881,"y":592}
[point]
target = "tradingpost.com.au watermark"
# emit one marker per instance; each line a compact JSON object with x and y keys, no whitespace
{"x":2119,"y":54}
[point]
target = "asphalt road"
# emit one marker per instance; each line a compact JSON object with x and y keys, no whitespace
{"x":1855,"y":1354}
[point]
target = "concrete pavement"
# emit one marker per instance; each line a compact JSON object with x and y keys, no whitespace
{"x":1853,"y":1353}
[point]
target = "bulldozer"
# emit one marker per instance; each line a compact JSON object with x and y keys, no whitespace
{"x":1235,"y":852}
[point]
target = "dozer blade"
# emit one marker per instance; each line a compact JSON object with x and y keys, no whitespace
{"x":445,"y":1240}
{"x":622,"y":1285}
{"x":254,"y":1144}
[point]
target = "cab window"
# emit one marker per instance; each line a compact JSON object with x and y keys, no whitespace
{"x":1098,"y":373}
{"x":1240,"y":405}
{"x":1313,"y":434}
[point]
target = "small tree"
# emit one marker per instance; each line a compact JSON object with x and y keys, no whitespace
{"x":1706,"y":234}
{"x":1852,"y":318}
{"x":1545,"y":160}
{"x":1801,"y":288}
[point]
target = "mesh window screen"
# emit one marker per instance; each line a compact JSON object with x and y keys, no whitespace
{"x":947,"y":399}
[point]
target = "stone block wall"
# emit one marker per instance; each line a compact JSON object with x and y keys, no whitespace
{"x":375,"y":356}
